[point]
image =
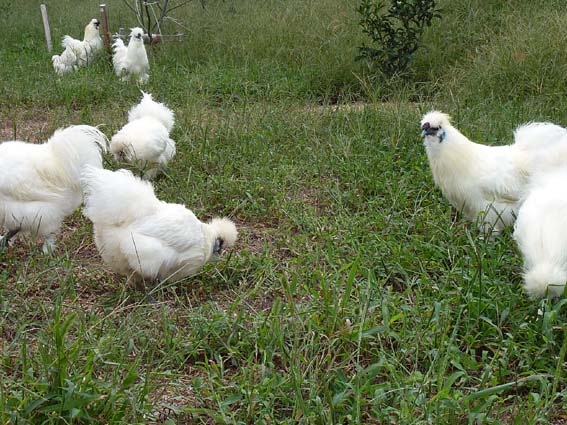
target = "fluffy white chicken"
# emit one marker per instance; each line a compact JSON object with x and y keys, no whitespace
{"x":132,"y":60}
{"x":78,"y":53}
{"x":487,"y":183}
{"x":40,"y":184}
{"x":541,"y":234}
{"x":145,"y":138}
{"x":144,"y":238}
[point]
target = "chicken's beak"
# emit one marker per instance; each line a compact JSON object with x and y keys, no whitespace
{"x":217,"y":247}
{"x":96,"y":24}
{"x":427,"y":130}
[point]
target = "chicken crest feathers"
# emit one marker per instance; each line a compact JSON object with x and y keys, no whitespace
{"x":224,"y":229}
{"x":436,"y":119}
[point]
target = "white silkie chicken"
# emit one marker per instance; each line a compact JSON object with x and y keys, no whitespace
{"x":139,"y":236}
{"x":78,"y":53}
{"x":145,"y":138}
{"x":487,"y":183}
{"x":40,"y":184}
{"x":541,"y":234}
{"x":132,"y":60}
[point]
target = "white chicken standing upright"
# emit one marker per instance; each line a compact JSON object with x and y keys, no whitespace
{"x":145,"y":138}
{"x":40,"y":184}
{"x":139,"y":236}
{"x":132,"y":60}
{"x":541,"y":234}
{"x":488,"y":182}
{"x":78,"y":53}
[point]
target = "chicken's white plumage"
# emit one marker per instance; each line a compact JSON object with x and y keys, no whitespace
{"x":65,"y":63}
{"x":77,"y":53}
{"x":541,"y":234}
{"x":140,"y":236}
{"x":145,"y":138}
{"x":132,"y":60}
{"x":487,"y":183}
{"x":148,"y":107}
{"x":40,"y":184}
{"x":119,"y":56}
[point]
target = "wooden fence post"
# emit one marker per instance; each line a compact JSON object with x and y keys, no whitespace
{"x":46,"y":27}
{"x":104,"y":24}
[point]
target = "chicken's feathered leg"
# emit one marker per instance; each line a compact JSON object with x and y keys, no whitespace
{"x":139,"y":283}
{"x":49,"y":244}
{"x":4,"y":240}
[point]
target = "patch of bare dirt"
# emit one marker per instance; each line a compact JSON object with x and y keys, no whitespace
{"x":35,"y":130}
{"x":255,"y":237}
{"x":172,"y":396}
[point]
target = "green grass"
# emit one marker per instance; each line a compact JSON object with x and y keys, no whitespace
{"x":355,"y":293}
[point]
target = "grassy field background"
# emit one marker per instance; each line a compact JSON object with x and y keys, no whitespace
{"x":355,"y":293}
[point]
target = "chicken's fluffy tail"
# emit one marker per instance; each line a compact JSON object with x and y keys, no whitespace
{"x":536,"y":135}
{"x":71,"y":43}
{"x":64,"y":63}
{"x":225,"y":230}
{"x":148,"y":107}
{"x":115,"y":198}
{"x":68,"y":42}
{"x":119,"y":56}
{"x":78,"y":146}
{"x":545,"y":278}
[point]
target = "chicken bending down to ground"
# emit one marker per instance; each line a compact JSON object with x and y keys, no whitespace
{"x":541,"y":234}
{"x":40,"y":184}
{"x":146,"y":239}
{"x":487,"y":183}
{"x":132,"y":60}
{"x":78,"y":53}
{"x":145,"y":138}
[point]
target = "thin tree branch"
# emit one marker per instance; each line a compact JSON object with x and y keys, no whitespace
{"x":129,"y":7}
{"x":149,"y":29}
{"x":157,"y":22}
{"x":141,"y":12}
{"x":163,"y":13}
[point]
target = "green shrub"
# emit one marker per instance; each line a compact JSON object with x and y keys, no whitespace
{"x":395,"y":32}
